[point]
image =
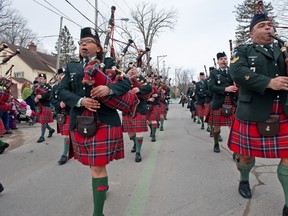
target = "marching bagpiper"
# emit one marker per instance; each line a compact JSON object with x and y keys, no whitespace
{"x":137,"y":124}
{"x":44,"y":113}
{"x":62,"y":116}
{"x":223,"y":103}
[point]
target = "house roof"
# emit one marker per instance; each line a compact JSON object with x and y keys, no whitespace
{"x":20,"y":80}
{"x":36,"y":60}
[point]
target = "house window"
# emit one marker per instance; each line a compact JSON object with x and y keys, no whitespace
{"x":19,"y":74}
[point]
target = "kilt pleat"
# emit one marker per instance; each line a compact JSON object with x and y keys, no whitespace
{"x":199,"y":110}
{"x":134,"y":125}
{"x":64,"y":129}
{"x":45,"y":116}
{"x":154,"y":114}
{"x":162,"y":108}
{"x":215,"y":117}
{"x":245,"y":139}
{"x":107,"y":145}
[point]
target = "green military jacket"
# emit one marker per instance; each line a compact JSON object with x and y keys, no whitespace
{"x":252,"y":68}
{"x":71,"y":90}
{"x":217,"y":83}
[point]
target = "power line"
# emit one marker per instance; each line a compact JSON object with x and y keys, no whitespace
{"x":67,"y":18}
{"x":80,"y":12}
{"x":120,"y":8}
{"x":127,"y":5}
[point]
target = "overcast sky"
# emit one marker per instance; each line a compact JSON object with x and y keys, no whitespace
{"x":204,"y":27}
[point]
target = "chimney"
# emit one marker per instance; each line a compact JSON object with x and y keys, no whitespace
{"x":32,"y":47}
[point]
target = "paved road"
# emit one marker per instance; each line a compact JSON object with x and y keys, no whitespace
{"x":179,"y":176}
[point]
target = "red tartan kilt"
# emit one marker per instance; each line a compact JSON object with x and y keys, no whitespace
{"x":134,"y":125}
{"x":64,"y":129}
{"x":153,"y":115}
{"x":2,"y":127}
{"x":45,"y":116}
{"x":245,"y":139}
{"x":107,"y":145}
{"x":126,"y":103}
{"x":162,"y":109}
{"x":199,"y":110}
{"x":207,"y":108}
{"x":215,"y":118}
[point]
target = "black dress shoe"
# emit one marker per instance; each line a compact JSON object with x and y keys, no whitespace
{"x":2,"y":148}
{"x":41,"y":139}
{"x":153,"y":138}
{"x":51,"y":133}
{"x":202,"y":127}
{"x":133,"y":149}
{"x":138,"y":157}
{"x":285,"y":211}
{"x":244,"y":189}
{"x":62,"y":160}
{"x":216,"y":148}
{"x":1,"y":188}
{"x":161,"y":129}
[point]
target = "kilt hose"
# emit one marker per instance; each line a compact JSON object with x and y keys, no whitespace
{"x":134,"y":125}
{"x":245,"y":139}
{"x":154,"y":114}
{"x":200,"y":110}
{"x":2,"y":127}
{"x":64,"y":129}
{"x":45,"y":116}
{"x":107,"y":145}
{"x":216,"y":118}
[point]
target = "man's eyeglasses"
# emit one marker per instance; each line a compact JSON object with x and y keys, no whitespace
{"x":87,"y":41}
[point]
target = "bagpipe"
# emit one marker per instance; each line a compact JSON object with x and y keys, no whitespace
{"x":94,"y":76}
{"x":41,"y":89}
{"x":137,"y":80}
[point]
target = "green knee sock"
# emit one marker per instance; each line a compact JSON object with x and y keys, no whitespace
{"x":216,"y":137}
{"x":282,"y":172}
{"x":99,"y":187}
{"x":150,"y":126}
{"x":154,"y":127}
{"x":202,"y":121}
{"x":66,"y":146}
{"x":139,"y":141}
{"x":48,"y":127}
{"x":2,"y":143}
{"x":244,"y":170}
{"x":43,"y":129}
{"x":161,"y":123}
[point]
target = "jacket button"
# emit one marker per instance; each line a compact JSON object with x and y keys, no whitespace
{"x":83,"y":88}
{"x":278,"y":96}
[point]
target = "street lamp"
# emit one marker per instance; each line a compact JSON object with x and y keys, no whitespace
{"x":162,"y":56}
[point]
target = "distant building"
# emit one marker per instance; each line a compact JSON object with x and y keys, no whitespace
{"x":27,"y":65}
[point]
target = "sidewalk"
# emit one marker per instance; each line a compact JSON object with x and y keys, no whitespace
{"x":25,"y":134}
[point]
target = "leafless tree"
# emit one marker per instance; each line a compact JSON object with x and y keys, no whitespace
{"x":147,"y":23}
{"x":281,"y":7}
{"x":13,"y":27}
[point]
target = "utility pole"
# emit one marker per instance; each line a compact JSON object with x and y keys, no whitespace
{"x":59,"y":45}
{"x":162,"y":56}
{"x":96,"y":15}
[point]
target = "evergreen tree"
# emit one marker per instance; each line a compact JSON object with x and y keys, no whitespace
{"x":244,"y":13}
{"x":67,"y":48}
